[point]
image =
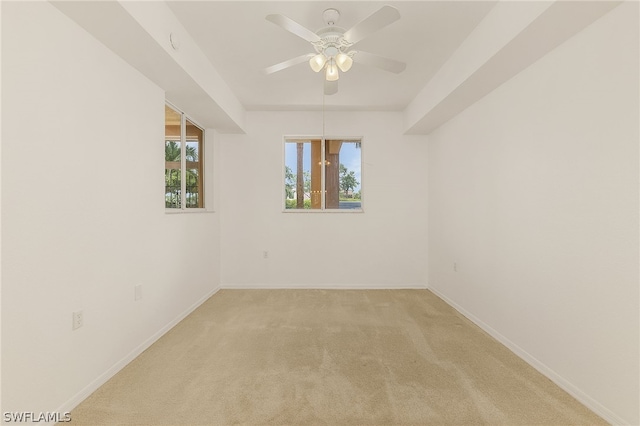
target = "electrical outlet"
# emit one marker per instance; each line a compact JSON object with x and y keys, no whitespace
{"x":138,"y":292}
{"x":455,"y":267}
{"x":265,"y":254}
{"x":78,"y":320}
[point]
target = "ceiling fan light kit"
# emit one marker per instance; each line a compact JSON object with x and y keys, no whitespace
{"x":318,"y":62}
{"x":332,"y":71}
{"x":324,"y":58}
{"x":344,"y":61}
{"x":333,"y":44}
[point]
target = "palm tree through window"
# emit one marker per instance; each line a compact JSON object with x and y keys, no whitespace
{"x":184,"y":173}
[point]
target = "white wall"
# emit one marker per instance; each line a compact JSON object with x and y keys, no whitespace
{"x":383,"y":247}
{"x":83,"y":216}
{"x":533,"y":192}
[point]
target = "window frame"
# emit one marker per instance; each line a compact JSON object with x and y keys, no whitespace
{"x":184,"y":117}
{"x":292,"y":138}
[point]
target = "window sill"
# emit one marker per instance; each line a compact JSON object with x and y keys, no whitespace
{"x":310,"y":211}
{"x":187,"y":211}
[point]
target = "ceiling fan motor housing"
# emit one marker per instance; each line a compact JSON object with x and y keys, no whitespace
{"x":332,"y":41}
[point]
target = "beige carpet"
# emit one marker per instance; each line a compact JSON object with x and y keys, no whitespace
{"x":335,"y":357}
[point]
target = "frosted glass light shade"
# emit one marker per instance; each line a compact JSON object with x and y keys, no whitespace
{"x":344,"y":62}
{"x":332,"y":71}
{"x":317,"y":62}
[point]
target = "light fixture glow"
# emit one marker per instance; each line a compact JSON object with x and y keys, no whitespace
{"x":332,"y":71}
{"x":344,"y":61}
{"x":317,"y":62}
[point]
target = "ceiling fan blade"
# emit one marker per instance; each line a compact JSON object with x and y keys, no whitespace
{"x":374,"y":22}
{"x":293,"y":27}
{"x":330,"y":87}
{"x":289,"y":63}
{"x":379,"y":61}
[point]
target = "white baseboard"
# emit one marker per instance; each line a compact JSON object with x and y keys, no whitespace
{"x":563,"y":383}
{"x":262,"y":286}
{"x":104,"y":377}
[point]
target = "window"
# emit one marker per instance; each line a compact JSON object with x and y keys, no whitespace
{"x":183,"y":161}
{"x":322,"y":174}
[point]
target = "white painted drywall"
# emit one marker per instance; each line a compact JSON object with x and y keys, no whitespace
{"x":83,"y":218}
{"x":159,"y":21}
{"x":499,"y":27}
{"x":383,"y":247}
{"x":533,"y":192}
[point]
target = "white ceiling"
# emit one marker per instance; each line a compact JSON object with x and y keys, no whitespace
{"x":456,"y":52}
{"x":240,"y":43}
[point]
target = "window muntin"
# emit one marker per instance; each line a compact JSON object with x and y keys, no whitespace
{"x":184,"y":165}
{"x":195,"y":173}
{"x":323,"y":174}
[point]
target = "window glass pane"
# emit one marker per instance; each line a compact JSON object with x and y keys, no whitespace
{"x":194,"y":195}
{"x":349,"y":174}
{"x":303,"y":185}
{"x":172,"y":161}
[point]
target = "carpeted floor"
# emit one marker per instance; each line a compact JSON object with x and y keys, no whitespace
{"x":334,"y":357}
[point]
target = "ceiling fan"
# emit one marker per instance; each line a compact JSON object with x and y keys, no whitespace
{"x":333,"y":45}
